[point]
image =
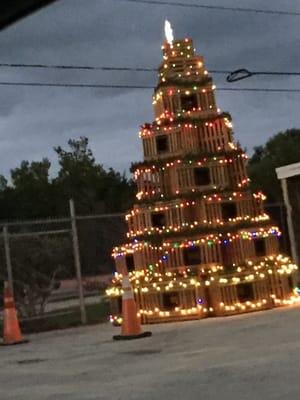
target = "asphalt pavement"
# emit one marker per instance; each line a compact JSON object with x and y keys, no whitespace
{"x":251,"y":356}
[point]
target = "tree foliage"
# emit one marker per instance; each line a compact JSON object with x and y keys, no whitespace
{"x":38,"y":265}
{"x":281,"y":149}
{"x":33,"y":193}
{"x":29,"y":194}
{"x":93,"y":188}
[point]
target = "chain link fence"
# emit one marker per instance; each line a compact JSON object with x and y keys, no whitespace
{"x":59,"y":268}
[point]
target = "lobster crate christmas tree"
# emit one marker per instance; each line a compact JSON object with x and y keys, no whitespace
{"x":199,"y":242}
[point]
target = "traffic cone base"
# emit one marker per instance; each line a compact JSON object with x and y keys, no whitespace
{"x":130,"y":337}
{"x":14,"y":343}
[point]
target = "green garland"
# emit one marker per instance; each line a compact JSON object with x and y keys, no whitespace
{"x":194,"y":121}
{"x":158,"y":238}
{"x":183,"y":119}
{"x":187,"y":197}
{"x":183,"y":83}
{"x":190,"y":196}
{"x":185,"y":159}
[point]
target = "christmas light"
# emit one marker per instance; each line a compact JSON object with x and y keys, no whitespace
{"x":205,"y":239}
{"x":195,"y":225}
{"x":211,"y":249}
{"x":158,"y":166}
{"x":170,"y":121}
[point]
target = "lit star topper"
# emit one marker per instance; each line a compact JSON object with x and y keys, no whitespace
{"x":169,"y":32}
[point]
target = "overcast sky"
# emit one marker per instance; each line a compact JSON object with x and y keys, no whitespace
{"x":111,"y":33}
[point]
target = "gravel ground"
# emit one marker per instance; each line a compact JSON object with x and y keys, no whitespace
{"x":252,"y":356}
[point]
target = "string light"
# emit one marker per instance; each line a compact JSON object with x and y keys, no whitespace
{"x":210,"y":239}
{"x":211,"y":198}
{"x":156,"y":193}
{"x":178,"y":282}
{"x":170,"y":121}
{"x":195,"y":225}
{"x":183,"y":258}
{"x":173,"y":163}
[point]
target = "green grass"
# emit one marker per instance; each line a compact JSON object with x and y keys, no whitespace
{"x":67,"y":318}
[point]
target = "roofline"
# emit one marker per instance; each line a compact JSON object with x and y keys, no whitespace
{"x":288,"y":171}
{"x":10,"y":12}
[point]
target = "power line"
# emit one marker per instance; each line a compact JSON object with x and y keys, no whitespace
{"x":78,"y":67}
{"x":210,"y":7}
{"x":91,"y":67}
{"x":109,"y":86}
{"x":140,"y":69}
{"x":75,"y":85}
{"x":266,"y":90}
{"x":244,"y":73}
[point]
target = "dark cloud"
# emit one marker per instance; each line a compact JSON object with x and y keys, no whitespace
{"x":108,"y":32}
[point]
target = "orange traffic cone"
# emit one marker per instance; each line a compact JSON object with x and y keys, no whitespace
{"x":11,"y":329}
{"x":131,"y":325}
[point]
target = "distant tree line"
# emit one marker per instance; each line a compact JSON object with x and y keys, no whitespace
{"x":281,"y":149}
{"x":32,"y":192}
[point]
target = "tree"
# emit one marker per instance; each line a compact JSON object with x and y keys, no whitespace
{"x":78,"y":174}
{"x":36,"y":172}
{"x":3,"y":183}
{"x":281,"y":149}
{"x":30,"y":193}
{"x":39,"y":262}
{"x":93,"y":188}
{"x":34,"y":194}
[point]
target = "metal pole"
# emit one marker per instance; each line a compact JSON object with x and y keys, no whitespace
{"x":77,"y":262}
{"x":8,"y":259}
{"x":289,"y":220}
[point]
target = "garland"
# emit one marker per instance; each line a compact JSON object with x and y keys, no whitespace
{"x":181,"y":82}
{"x":187,"y":159}
{"x":192,"y":195}
{"x":156,"y":238}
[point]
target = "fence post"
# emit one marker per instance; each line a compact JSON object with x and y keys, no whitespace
{"x":8,"y":259}
{"x":77,"y":261}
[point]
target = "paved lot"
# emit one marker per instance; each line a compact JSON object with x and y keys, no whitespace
{"x":63,"y":304}
{"x":254,"y":356}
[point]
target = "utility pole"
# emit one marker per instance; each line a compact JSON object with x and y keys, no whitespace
{"x":77,"y":261}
